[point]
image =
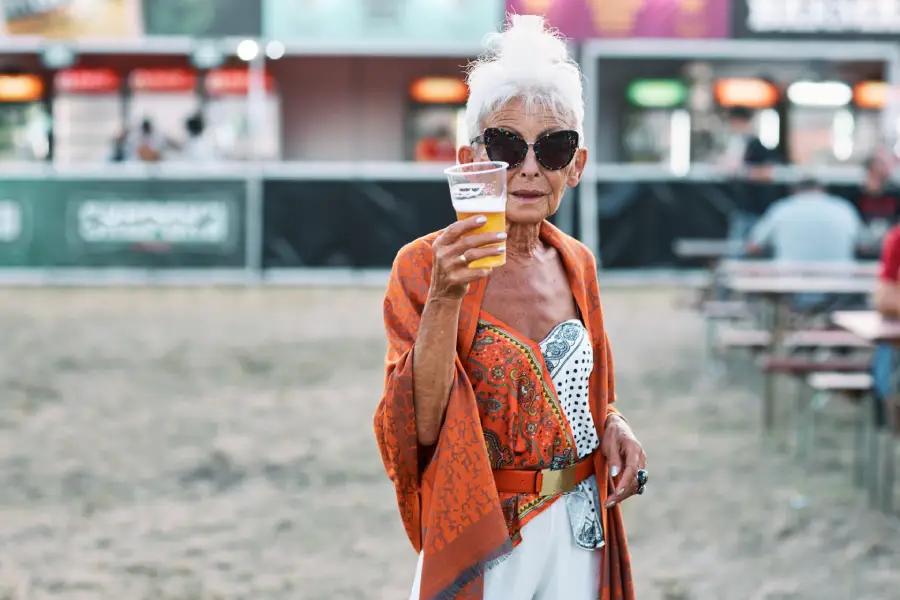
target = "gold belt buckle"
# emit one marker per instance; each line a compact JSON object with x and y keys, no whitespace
{"x":557,"y":481}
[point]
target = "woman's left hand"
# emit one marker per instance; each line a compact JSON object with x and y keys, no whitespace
{"x":624,"y":455}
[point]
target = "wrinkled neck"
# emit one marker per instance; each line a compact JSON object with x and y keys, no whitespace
{"x":523,"y":239}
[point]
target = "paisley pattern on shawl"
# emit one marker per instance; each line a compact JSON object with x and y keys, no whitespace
{"x":523,"y":423}
{"x":446,"y":495}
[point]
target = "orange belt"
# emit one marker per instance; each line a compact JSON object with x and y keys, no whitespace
{"x":545,"y":482}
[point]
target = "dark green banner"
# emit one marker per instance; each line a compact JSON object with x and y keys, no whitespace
{"x":138,"y":224}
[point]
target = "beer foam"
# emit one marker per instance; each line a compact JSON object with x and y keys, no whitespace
{"x":482,"y":203}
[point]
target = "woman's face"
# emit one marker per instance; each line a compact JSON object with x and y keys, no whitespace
{"x":533,"y":192}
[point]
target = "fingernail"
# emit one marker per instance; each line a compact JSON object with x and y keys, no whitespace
{"x":610,"y":504}
{"x":620,"y":492}
{"x":481,"y":220}
{"x":501,"y":236}
{"x":614,"y":471}
{"x":500,"y":249}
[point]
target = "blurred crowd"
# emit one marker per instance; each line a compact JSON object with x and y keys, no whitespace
{"x":147,"y":144}
{"x":812,"y":223}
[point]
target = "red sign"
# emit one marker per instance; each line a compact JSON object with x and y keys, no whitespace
{"x":162,"y":80}
{"x":439,"y":90}
{"x":232,"y":82}
{"x":87,"y":81}
{"x":870,"y":94}
{"x":746,"y":92}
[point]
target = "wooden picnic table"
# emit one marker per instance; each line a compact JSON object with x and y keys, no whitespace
{"x":871,"y":326}
{"x":735,"y":267}
{"x":780,"y":286}
{"x":868,"y":324}
{"x":777,"y":290}
{"x":705,"y":248}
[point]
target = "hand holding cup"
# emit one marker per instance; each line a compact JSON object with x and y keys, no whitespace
{"x":456,"y":249}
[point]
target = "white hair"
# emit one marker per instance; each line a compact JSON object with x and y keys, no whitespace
{"x":528,"y":61}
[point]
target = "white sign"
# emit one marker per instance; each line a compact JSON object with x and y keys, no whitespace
{"x":197,"y":222}
{"x":10,"y":221}
{"x":823,"y":16}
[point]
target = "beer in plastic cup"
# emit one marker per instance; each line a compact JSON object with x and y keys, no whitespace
{"x":480,"y":189}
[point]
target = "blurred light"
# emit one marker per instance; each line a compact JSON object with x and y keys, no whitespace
{"x":207,"y":55}
{"x":746,"y":92}
{"x":842,"y":127}
{"x":657,"y":93}
{"x":680,"y":143}
{"x":58,"y":56}
{"x":870,"y":94}
{"x":38,"y":141}
{"x":275,"y":50}
{"x":439,"y":90}
{"x":769,"y":128}
{"x":247,"y":50}
{"x":20,"y":88}
{"x":820,"y":93}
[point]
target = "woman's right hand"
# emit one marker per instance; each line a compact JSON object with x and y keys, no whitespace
{"x":453,"y":251}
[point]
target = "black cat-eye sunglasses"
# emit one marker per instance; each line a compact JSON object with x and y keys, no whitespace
{"x":554,"y":150}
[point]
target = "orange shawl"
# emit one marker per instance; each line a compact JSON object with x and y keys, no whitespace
{"x":447,"y":498}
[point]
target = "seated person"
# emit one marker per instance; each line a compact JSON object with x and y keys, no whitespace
{"x":810,"y":225}
{"x":887,"y":302}
{"x":877,"y":200}
{"x":887,"y":294}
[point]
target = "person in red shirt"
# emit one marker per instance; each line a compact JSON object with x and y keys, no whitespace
{"x":887,"y":302}
{"x":887,"y":294}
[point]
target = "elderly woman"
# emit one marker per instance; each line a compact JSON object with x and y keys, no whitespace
{"x":497,"y":425}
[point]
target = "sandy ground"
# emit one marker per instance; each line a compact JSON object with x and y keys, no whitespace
{"x":187,"y":444}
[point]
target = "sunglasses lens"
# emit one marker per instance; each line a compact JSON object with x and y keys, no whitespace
{"x":556,"y":150}
{"x":505,"y":147}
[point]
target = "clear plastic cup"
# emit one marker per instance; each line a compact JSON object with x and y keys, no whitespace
{"x":480,"y":189}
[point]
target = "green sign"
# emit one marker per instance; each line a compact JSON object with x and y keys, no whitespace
{"x":657,"y":93}
{"x":138,"y":224}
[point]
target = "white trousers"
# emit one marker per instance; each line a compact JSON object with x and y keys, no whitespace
{"x":546,"y":565}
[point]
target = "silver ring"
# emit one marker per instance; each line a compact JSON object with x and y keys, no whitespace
{"x":642,"y":478}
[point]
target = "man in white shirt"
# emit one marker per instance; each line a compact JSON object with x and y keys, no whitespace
{"x":811,"y":225}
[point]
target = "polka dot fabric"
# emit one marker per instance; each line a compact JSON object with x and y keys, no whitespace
{"x":569,"y":358}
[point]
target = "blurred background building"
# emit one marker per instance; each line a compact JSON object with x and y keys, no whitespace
{"x":267,"y":139}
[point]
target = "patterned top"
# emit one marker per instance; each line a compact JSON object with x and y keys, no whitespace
{"x":570,"y":360}
{"x":532,"y":403}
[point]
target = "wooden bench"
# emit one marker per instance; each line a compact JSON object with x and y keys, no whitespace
{"x":704,"y":248}
{"x":725,"y":309}
{"x":855,"y":387}
{"x":851,"y":384}
{"x":800,"y":365}
{"x":795,"y":340}
{"x":753,"y":339}
{"x":824,"y":338}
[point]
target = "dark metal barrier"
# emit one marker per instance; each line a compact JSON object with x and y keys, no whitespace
{"x":349,"y":224}
{"x":167,"y":224}
{"x":639,"y":221}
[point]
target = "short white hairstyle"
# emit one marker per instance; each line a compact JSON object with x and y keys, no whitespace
{"x":530,"y":62}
